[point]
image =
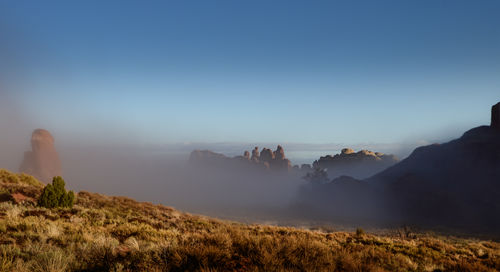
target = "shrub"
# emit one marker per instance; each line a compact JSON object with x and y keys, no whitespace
{"x":360,"y":232}
{"x":55,"y":195}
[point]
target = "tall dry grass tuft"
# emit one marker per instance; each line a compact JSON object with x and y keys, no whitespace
{"x":55,"y":260}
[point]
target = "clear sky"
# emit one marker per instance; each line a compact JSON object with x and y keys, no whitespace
{"x":252,"y":71}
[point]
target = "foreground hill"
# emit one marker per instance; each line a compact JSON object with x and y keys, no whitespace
{"x":103,"y":233}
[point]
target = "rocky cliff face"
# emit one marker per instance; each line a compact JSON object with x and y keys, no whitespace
{"x":43,"y":160}
{"x":361,"y":164}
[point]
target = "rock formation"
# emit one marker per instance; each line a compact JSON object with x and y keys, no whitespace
{"x":255,"y":154}
{"x":266,"y":155}
{"x":454,"y":184}
{"x":279,"y":161}
{"x":42,"y":161}
{"x":495,"y":116}
{"x":279,"y":154}
{"x":360,"y":164}
{"x":273,"y":160}
{"x":246,"y":155}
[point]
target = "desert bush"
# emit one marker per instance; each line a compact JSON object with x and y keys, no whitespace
{"x":360,"y":232}
{"x":55,"y":195}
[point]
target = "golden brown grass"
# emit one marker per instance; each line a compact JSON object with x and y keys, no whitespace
{"x":13,"y":178}
{"x":103,"y":233}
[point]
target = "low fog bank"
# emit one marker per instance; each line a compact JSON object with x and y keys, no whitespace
{"x":164,"y":175}
{"x":159,"y":174}
{"x":167,"y":177}
{"x":405,"y":193}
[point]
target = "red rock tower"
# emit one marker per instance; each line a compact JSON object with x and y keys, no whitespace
{"x":42,"y":161}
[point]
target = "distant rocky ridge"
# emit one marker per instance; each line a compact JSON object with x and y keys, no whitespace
{"x":359,"y":164}
{"x":42,"y":161}
{"x":265,"y":159}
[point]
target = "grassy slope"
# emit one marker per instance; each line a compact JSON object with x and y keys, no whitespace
{"x":103,"y":233}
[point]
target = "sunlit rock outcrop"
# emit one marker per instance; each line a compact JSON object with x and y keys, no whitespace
{"x":359,"y":164}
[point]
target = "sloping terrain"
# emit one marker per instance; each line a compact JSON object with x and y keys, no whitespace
{"x":103,"y":233}
{"x":455,"y":184}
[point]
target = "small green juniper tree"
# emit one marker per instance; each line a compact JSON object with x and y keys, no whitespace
{"x":55,"y":195}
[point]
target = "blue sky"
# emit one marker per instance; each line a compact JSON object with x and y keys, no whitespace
{"x":160,"y":72}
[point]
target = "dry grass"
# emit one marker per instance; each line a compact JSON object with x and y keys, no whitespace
{"x":103,"y":233}
{"x":12,"y":178}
